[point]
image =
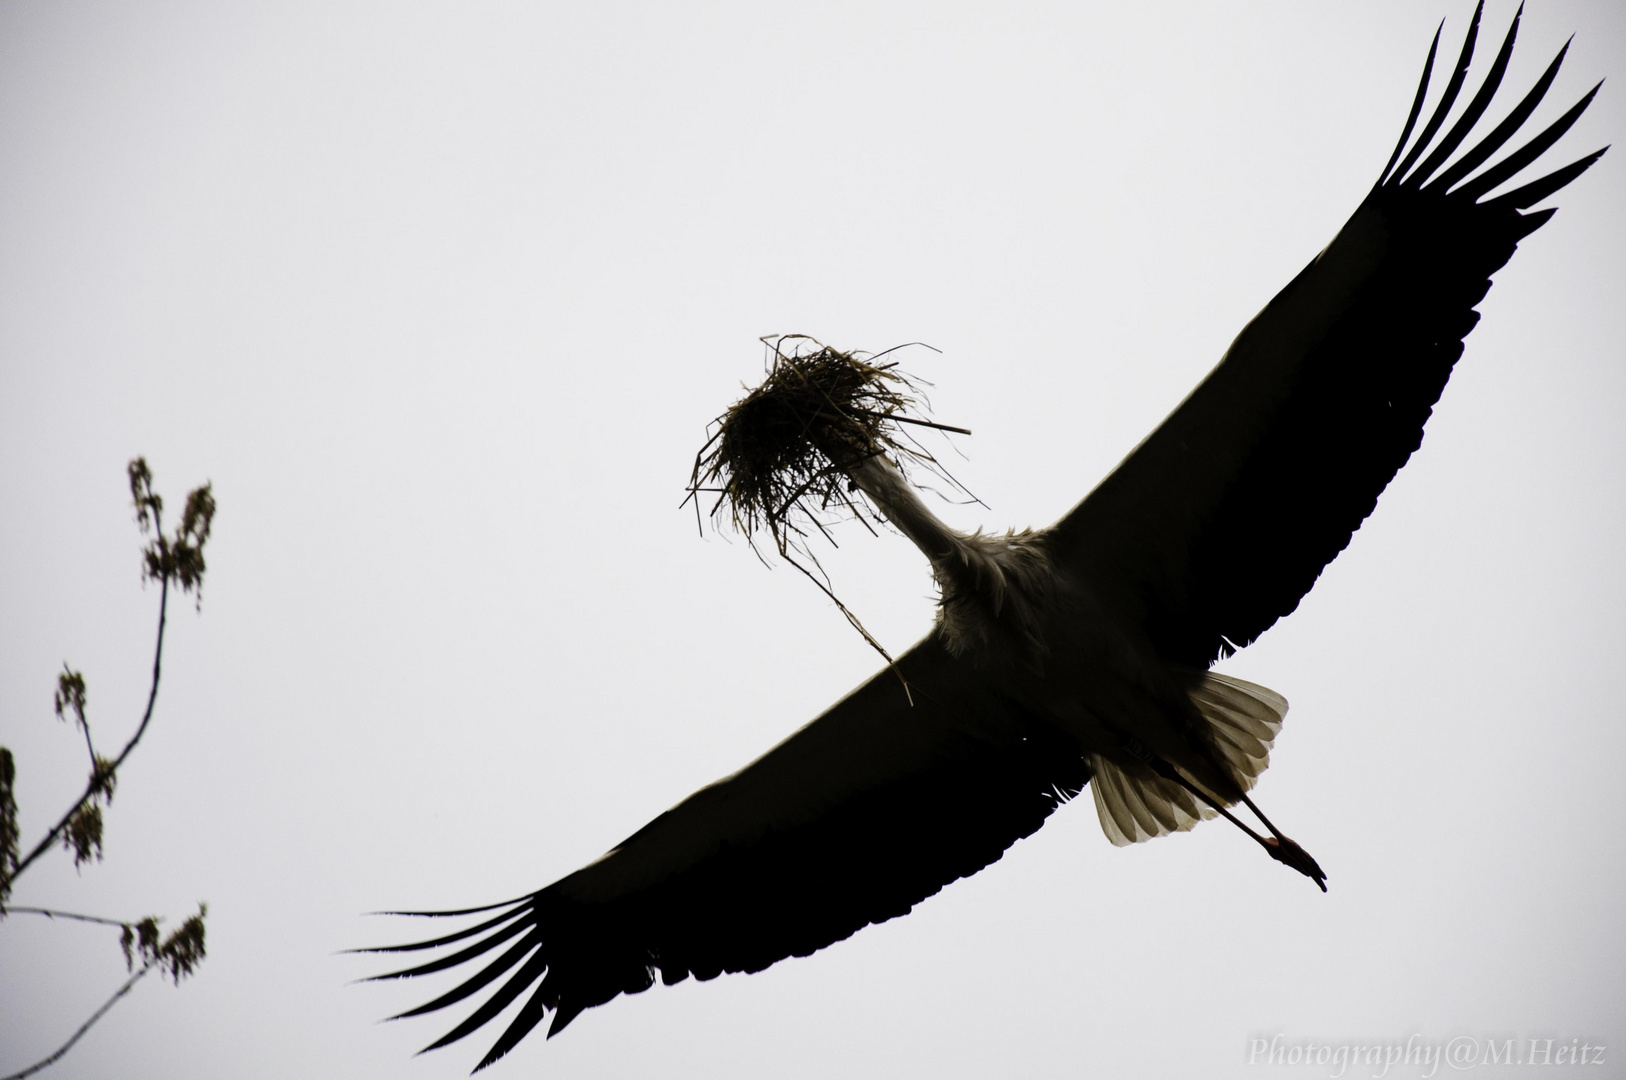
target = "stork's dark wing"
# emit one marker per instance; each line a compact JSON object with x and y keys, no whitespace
{"x":853,"y":820}
{"x":1219,"y":523}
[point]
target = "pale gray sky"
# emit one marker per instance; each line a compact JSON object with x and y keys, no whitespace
{"x":441,"y":297}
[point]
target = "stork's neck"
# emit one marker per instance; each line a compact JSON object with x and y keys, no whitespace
{"x":890,"y":492}
{"x":987,"y":582}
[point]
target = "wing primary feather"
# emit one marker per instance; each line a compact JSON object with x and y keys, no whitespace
{"x":1449,"y":98}
{"x":478,"y":980}
{"x":1537,"y":190}
{"x":479,"y":948}
{"x":1416,"y":104}
{"x":417,"y":946}
{"x":567,"y":1011}
{"x":1529,"y":223}
{"x":459,"y":911}
{"x":529,"y":1016}
{"x":1470,"y":116}
{"x":1504,"y":131}
{"x":495,"y":1004}
{"x":1524,"y":155}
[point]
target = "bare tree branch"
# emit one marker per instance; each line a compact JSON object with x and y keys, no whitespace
{"x":52,"y":914}
{"x":86,"y":1026}
{"x":176,"y":559}
{"x":98,"y":777}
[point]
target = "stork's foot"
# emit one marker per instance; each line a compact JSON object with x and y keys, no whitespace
{"x":1289,"y":853}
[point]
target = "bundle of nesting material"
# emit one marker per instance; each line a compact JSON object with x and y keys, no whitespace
{"x":780,"y":457}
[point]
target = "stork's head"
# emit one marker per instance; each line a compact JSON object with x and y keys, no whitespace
{"x":780,"y":458}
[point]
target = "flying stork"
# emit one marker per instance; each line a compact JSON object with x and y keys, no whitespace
{"x":1068,"y":657}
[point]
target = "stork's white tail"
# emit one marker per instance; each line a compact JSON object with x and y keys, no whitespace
{"x":1244,"y":718}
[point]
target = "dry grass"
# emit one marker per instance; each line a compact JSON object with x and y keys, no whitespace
{"x":778,"y":458}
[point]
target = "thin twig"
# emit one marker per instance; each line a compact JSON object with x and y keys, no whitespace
{"x":905,"y":345}
{"x":95,"y":1016}
{"x":876,"y":645}
{"x":52,"y":914}
{"x":85,"y":724}
{"x":97,"y":776}
{"x":912,"y":420}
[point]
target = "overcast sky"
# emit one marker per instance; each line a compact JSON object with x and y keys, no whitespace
{"x":441,"y":298}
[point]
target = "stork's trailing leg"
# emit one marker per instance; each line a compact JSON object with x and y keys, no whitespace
{"x":1287,"y":852}
{"x":1284,"y":850}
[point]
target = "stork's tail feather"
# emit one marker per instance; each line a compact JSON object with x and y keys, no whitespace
{"x":1134,"y":808}
{"x":1243,"y":721}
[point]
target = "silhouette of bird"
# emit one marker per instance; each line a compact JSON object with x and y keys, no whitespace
{"x":1062,"y":658}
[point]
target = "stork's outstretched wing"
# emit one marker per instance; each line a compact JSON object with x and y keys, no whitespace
{"x":1218,"y":524}
{"x":1206,"y":535}
{"x":853,"y":820}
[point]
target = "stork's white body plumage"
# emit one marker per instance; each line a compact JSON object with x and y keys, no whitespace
{"x":1075,"y":655}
